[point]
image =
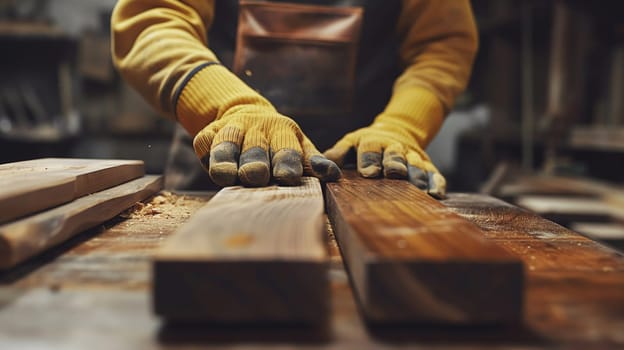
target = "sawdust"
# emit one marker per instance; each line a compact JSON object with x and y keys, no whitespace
{"x":165,"y":205}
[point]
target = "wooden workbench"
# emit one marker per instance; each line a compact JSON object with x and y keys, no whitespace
{"x":93,"y":292}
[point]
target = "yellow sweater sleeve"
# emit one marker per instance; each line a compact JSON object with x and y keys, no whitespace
{"x":160,"y":48}
{"x":438,"y":45}
{"x":161,"y":45}
{"x":156,"y":43}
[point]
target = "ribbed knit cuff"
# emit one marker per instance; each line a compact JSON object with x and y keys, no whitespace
{"x":211,"y":92}
{"x":416,"y":110}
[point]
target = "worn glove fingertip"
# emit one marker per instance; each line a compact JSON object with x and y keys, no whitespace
{"x":417,"y":177}
{"x":437,"y":185}
{"x":395,"y":170}
{"x":325,"y":169}
{"x":254,"y":167}
{"x":369,"y":164}
{"x":287,"y":167}
{"x":223,"y":174}
{"x":254,"y":174}
{"x":223,"y":167}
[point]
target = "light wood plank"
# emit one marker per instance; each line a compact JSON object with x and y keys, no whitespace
{"x":413,"y":260}
{"x":249,"y":255}
{"x":565,"y":210}
{"x":30,"y":186}
{"x":24,"y":238}
{"x":611,"y":233}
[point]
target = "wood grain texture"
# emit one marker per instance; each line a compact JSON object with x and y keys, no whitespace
{"x":21,"y":239}
{"x":574,"y":285}
{"x":249,"y":255}
{"x":413,"y":260}
{"x":100,"y":281}
{"x":33,"y":185}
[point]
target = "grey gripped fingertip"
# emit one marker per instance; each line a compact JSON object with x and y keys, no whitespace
{"x":225,"y":152}
{"x":369,"y":164}
{"x":287,"y":167}
{"x":394,"y":170}
{"x":223,"y":167}
{"x":436,"y":189}
{"x":394,"y":166}
{"x":368,"y":159}
{"x":254,"y":174}
{"x":254,"y":154}
{"x":418,"y":177}
{"x":437,"y":195}
{"x":254,"y":169}
{"x":223,"y":173}
{"x":325,"y":169}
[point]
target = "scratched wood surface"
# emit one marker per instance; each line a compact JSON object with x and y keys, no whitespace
{"x":21,"y":239}
{"x":574,"y":284}
{"x":93,"y":292}
{"x":250,"y":255}
{"x":33,"y":185}
{"x":411,"y":259}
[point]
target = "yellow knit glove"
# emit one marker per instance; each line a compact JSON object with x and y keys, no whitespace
{"x":394,"y":143}
{"x":240,"y":136}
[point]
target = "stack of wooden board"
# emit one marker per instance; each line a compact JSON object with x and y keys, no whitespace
{"x":43,"y":202}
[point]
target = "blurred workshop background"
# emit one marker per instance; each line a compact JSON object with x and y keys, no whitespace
{"x":541,"y":123}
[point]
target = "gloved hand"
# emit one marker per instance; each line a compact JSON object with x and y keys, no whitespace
{"x":393,"y":145}
{"x":250,"y":142}
{"x":240,"y":136}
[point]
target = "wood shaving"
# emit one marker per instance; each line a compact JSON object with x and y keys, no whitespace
{"x":165,"y":204}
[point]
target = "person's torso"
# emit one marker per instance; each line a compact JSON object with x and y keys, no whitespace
{"x":376,"y":67}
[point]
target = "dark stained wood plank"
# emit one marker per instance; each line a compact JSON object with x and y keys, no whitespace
{"x":544,"y":246}
{"x":413,"y":260}
{"x":30,"y":186}
{"x":250,"y":255}
{"x":21,"y":239}
{"x":502,"y":221}
{"x":574,"y":285}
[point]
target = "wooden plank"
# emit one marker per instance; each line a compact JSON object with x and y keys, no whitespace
{"x":561,"y":185}
{"x":250,"y":255}
{"x":117,"y":257}
{"x":101,"y":281}
{"x":21,"y":239}
{"x":609,"y":138}
{"x":610,"y":233}
{"x":413,"y":260}
{"x":565,"y":210}
{"x":33,"y":185}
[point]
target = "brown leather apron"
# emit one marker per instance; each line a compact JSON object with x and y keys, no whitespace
{"x":300,"y":57}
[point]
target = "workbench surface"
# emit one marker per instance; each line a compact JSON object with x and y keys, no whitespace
{"x":94,"y":292}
